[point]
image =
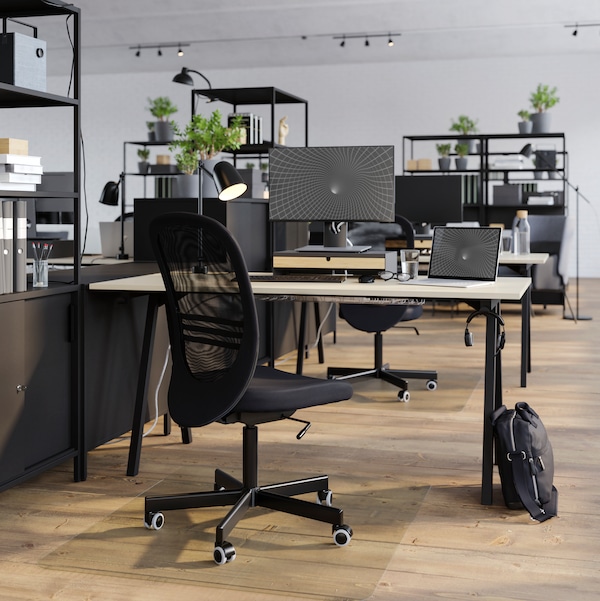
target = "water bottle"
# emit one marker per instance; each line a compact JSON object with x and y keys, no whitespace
{"x":521,"y":234}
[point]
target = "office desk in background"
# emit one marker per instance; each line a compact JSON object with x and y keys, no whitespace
{"x":489,"y":296}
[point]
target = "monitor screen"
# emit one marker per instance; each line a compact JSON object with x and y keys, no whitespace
{"x":334,"y":184}
{"x":431,"y":199}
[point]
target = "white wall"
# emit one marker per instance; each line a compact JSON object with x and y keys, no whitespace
{"x":356,"y":104}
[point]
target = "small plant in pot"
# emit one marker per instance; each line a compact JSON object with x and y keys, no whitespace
{"x":466,"y":126}
{"x":162,"y":108}
{"x":462,"y":150}
{"x":143,"y":155}
{"x":444,"y":158}
{"x":202,"y":139}
{"x":542,"y":98}
{"x":525,"y":125}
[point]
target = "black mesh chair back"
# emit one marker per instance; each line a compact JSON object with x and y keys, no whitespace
{"x":211,"y":317}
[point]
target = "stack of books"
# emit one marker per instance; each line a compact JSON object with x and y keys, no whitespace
{"x":19,"y":171}
{"x":251,"y":127}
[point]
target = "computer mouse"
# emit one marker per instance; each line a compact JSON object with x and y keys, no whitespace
{"x":367,"y":278}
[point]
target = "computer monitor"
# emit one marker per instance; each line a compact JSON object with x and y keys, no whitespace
{"x":334,"y":185}
{"x":430,"y":199}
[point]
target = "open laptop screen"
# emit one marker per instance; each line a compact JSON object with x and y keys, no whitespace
{"x":468,"y":253}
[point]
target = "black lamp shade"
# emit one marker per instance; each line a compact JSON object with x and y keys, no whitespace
{"x":526,"y":151}
{"x":228,"y":181}
{"x":110,"y":194}
{"x":184,"y":77}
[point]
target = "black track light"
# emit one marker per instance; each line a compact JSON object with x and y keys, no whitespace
{"x":180,"y":52}
{"x":138,"y":52}
{"x":390,"y":42}
{"x":367,"y":42}
{"x":159,"y":52}
{"x":343,"y":42}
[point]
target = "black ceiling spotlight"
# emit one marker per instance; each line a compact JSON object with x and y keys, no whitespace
{"x":185,"y":77}
{"x":367,"y":41}
{"x":159,"y":52}
{"x":180,"y":51}
{"x":138,"y":52}
{"x":390,"y":41}
{"x":343,"y":42}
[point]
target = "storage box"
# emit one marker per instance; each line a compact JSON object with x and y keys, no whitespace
{"x":23,"y":61}
{"x":14,"y":146}
{"x":508,"y":194}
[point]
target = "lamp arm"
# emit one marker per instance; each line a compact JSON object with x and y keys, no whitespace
{"x":202,"y":76}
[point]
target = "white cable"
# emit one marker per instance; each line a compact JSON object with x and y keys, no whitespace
{"x":157,"y":390}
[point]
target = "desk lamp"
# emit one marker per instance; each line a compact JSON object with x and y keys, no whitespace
{"x":110,"y":196}
{"x":185,"y":77}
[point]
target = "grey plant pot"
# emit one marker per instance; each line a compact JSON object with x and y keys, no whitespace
{"x":163,"y":131}
{"x":461,"y":163}
{"x":525,"y":127}
{"x":143,"y":167}
{"x":444,"y":163}
{"x":186,"y":186}
{"x":541,"y":123}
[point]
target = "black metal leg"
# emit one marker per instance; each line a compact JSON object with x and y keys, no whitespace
{"x":320,"y":339}
{"x":141,"y":403}
{"x":301,"y":339}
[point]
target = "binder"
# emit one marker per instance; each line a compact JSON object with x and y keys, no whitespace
{"x":1,"y":249}
{"x":20,"y":245}
{"x":7,"y":254}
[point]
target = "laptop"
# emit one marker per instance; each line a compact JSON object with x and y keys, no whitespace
{"x":463,"y":257}
{"x":110,"y":238}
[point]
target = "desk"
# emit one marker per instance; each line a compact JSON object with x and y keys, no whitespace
{"x":490,"y":296}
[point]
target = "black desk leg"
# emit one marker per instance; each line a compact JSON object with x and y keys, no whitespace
{"x":301,"y":339}
{"x":319,"y":333}
{"x":141,"y":402}
{"x":492,"y":398}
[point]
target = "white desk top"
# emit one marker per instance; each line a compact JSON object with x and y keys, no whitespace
{"x":508,"y":289}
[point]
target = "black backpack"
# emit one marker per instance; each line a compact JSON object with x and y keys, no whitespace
{"x":525,"y":461}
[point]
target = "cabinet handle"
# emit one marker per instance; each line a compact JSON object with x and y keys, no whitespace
{"x":21,"y":388}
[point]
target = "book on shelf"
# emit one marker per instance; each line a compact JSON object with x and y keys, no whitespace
{"x":251,"y":127}
{"x":20,"y":245}
{"x":20,"y":159}
{"x":13,"y":168}
{"x":7,"y":247}
{"x":17,"y":187}
{"x":20,"y":178}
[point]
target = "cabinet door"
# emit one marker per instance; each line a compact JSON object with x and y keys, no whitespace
{"x":48,"y":407}
{"x":12,"y":401}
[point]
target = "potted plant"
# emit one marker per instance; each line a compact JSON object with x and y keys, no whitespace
{"x":525,"y":125}
{"x":162,"y":108}
{"x":466,"y":126}
{"x":462,"y":150}
{"x":143,"y":155}
{"x":543,"y":98}
{"x":201,"y":140}
{"x":444,"y":158}
{"x":151,"y":133}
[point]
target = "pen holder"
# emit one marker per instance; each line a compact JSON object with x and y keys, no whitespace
{"x":40,"y":273}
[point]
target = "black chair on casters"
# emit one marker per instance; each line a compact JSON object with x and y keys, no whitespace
{"x":377,"y":319}
{"x":213,"y":330}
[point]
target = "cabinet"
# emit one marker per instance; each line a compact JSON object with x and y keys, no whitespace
{"x":503,"y":180}
{"x":40,"y":366}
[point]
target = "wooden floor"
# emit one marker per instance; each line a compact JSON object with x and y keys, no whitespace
{"x":453,"y":548}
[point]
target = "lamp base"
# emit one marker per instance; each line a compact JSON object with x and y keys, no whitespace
{"x":578,"y":317}
{"x":122,"y":257}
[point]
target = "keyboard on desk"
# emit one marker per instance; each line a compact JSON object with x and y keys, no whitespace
{"x":297,"y":277}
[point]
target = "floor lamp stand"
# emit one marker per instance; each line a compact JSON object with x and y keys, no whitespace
{"x":576,"y":316}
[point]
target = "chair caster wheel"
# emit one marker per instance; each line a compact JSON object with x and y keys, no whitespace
{"x":431,"y":385}
{"x":325,"y":497}
{"x":342,"y":535}
{"x":404,"y":396}
{"x":224,"y":554}
{"x":156,"y":521}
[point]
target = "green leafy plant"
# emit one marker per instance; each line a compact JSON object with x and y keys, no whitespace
{"x":462,"y":150}
{"x":203,"y":138}
{"x":443,"y":149}
{"x":250,"y":165}
{"x":464,"y":125}
{"x":143,"y":153}
{"x":543,"y":98}
{"x":161,"y":107}
{"x":150,"y":125}
{"x":524,"y":114}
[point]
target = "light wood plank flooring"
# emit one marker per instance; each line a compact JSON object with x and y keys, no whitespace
{"x":454,"y":548}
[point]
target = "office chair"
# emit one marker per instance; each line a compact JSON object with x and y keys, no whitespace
{"x":213,"y":330}
{"x":377,"y":319}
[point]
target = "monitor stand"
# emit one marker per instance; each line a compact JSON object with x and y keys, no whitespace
{"x":335,"y":235}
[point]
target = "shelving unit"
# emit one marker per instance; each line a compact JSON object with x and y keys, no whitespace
{"x":497,"y":162}
{"x":240,"y":98}
{"x":40,"y":389}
